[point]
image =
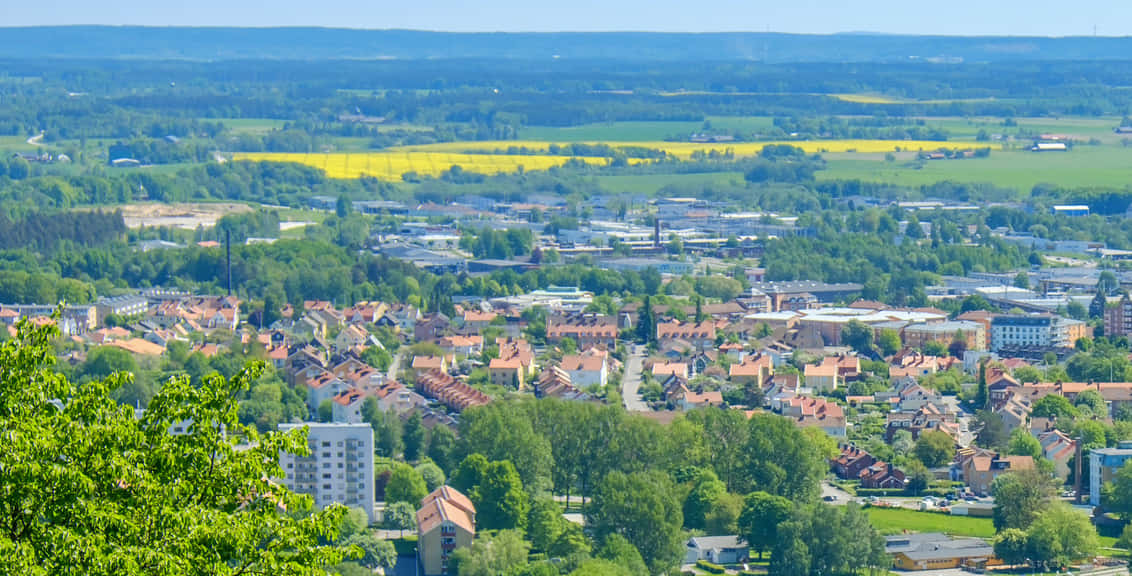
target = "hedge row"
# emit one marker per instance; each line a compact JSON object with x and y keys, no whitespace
{"x":709,"y":567}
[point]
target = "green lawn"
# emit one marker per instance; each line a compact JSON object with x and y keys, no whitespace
{"x":896,"y":520}
{"x":249,"y":125}
{"x":1021,"y":170}
{"x":15,"y":143}
{"x":650,"y":183}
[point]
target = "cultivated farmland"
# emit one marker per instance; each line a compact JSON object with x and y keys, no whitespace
{"x":393,"y":166}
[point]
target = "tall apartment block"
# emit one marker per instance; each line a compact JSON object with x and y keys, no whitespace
{"x":339,"y":468}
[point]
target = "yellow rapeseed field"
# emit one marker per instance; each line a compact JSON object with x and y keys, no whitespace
{"x":432,"y":160}
{"x":393,"y":165}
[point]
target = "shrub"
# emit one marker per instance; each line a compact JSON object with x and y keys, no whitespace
{"x":709,"y":567}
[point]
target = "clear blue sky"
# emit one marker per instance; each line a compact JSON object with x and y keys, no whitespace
{"x":955,"y":17}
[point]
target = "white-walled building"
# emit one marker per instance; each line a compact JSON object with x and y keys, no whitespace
{"x":339,"y":468}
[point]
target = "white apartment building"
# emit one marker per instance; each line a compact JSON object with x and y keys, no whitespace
{"x":339,"y":468}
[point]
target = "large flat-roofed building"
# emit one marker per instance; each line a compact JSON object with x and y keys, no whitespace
{"x":973,"y":334}
{"x":339,"y":468}
{"x":1038,"y":331}
{"x":1104,"y":463}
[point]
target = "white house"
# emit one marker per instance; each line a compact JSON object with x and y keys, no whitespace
{"x":715,"y":549}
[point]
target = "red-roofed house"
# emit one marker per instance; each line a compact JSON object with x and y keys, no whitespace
{"x":701,"y":335}
{"x":446,"y":521}
{"x":817,"y":412}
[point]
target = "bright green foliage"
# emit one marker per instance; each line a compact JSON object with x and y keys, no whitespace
{"x":500,"y":500}
{"x":493,"y":555}
{"x":762,"y":515}
{"x":376,"y":553}
{"x":781,"y":459}
{"x":1022,"y":443}
{"x":441,"y":444}
{"x":889,"y":341}
{"x":1054,"y":406}
{"x":1010,"y":546}
{"x":500,"y":432}
{"x":400,"y":516}
{"x":827,"y":540}
{"x":1020,"y":497}
{"x":643,"y":508}
{"x":1091,"y":401}
{"x":413,"y":436}
{"x":406,"y":485}
{"x":432,"y":474}
{"x":620,"y":551}
{"x":1120,"y":498}
{"x":935,"y":448}
{"x":706,"y":490}
{"x":594,"y":567}
{"x":470,"y":473}
{"x":1059,"y":536}
{"x":86,"y":487}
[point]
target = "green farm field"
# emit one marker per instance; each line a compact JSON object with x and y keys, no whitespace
{"x":249,"y":125}
{"x":1022,"y":170}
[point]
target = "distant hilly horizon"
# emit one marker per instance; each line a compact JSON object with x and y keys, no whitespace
{"x":315,"y":43}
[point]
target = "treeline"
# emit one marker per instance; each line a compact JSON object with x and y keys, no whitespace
{"x":891,"y":272}
{"x":499,"y":244}
{"x":495,"y":99}
{"x":47,"y":231}
{"x":711,"y":469}
{"x":859,"y":128}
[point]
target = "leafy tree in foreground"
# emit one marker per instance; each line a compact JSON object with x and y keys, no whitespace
{"x":88,"y":488}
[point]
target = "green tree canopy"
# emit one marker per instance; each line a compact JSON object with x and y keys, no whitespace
{"x":1053,"y":406}
{"x":1020,"y":497}
{"x":643,"y":508}
{"x":88,"y":488}
{"x":406,"y":485}
{"x":762,"y":515}
{"x":935,"y":448}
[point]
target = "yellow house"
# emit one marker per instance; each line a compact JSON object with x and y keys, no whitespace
{"x":508,"y":373}
{"x":446,"y":521}
{"x":935,"y":551}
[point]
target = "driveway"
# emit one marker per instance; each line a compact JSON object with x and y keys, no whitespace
{"x":631,"y":381}
{"x":395,"y":365}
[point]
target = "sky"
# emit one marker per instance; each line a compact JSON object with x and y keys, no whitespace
{"x":951,"y":17}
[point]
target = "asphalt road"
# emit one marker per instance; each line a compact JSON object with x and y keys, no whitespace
{"x":631,"y":381}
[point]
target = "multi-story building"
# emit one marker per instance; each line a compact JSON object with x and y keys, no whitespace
{"x":446,"y":521}
{"x":1039,"y":331}
{"x":1118,"y":319}
{"x":125,"y":305}
{"x":339,"y":468}
{"x":1104,"y":463}
{"x":972,"y":333}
